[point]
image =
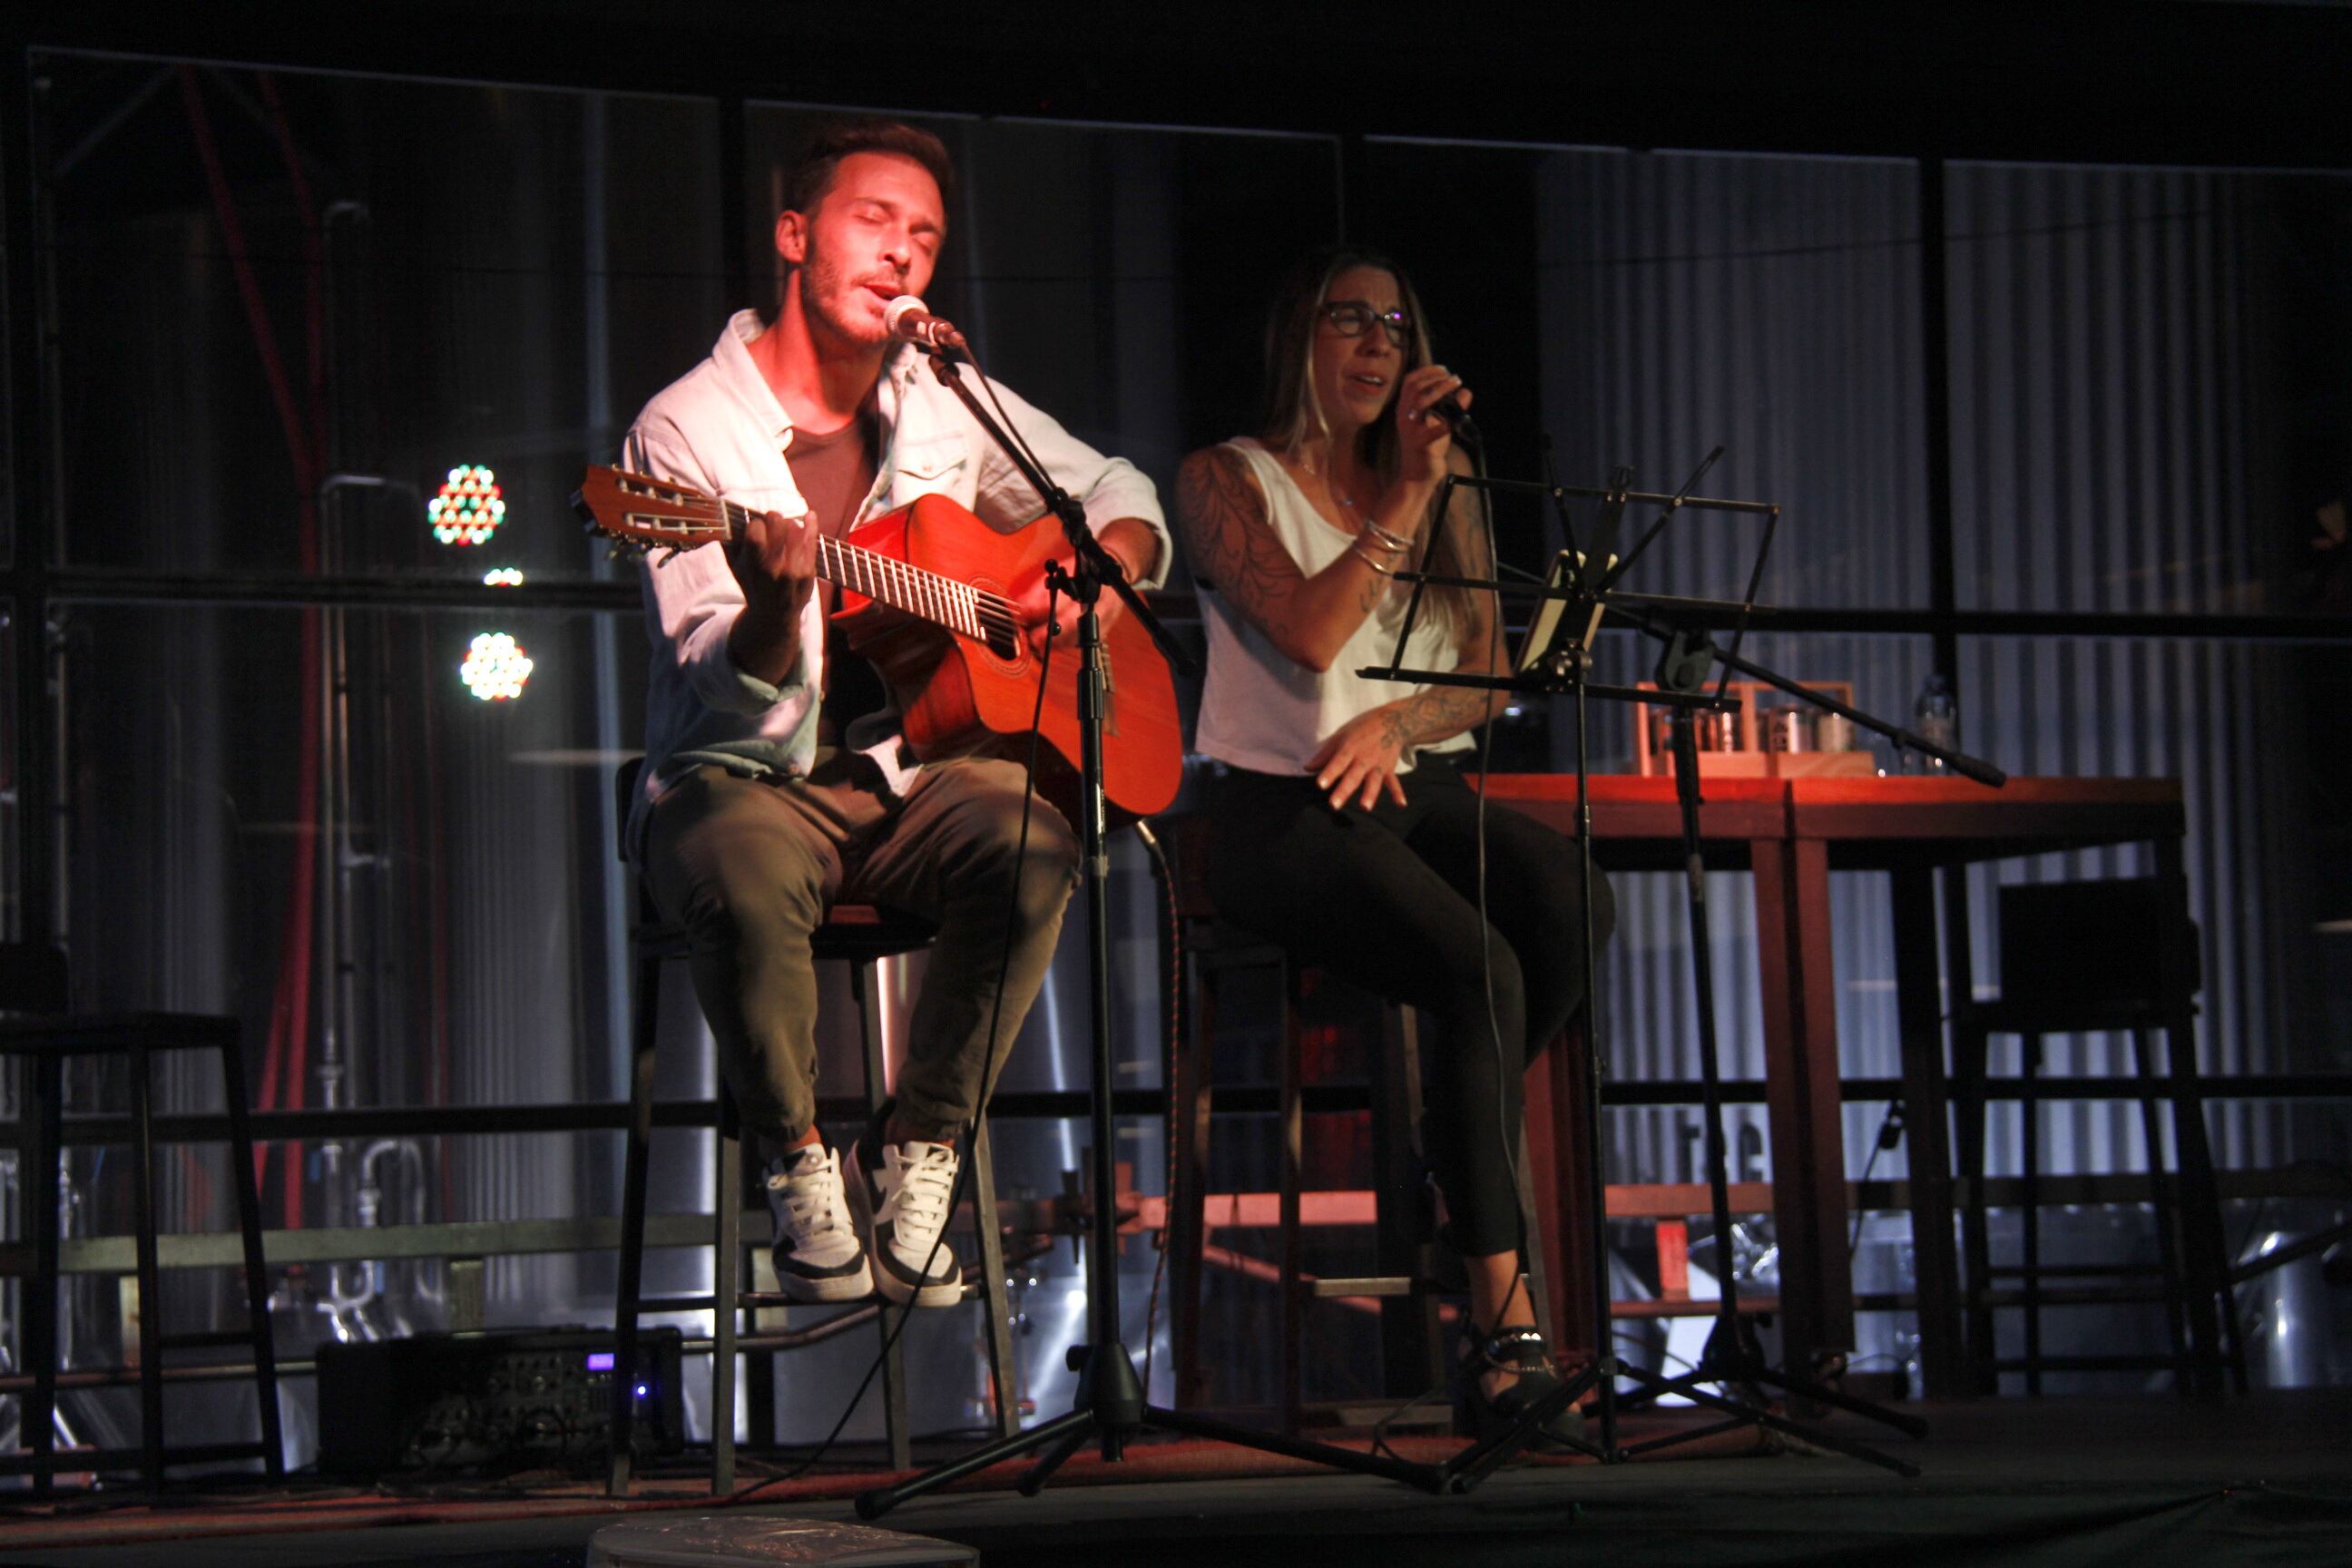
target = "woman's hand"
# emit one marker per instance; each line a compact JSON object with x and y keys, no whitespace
{"x":1359,"y":762}
{"x":1423,"y":436}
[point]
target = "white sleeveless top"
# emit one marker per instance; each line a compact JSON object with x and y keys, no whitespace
{"x":1261,"y":710}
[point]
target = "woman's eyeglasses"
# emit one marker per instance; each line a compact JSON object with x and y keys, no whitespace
{"x":1353,"y":318}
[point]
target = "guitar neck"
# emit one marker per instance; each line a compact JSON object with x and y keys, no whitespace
{"x":886,"y":580}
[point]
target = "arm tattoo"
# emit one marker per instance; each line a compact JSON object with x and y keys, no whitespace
{"x":1439,"y":711}
{"x":1222,"y":518}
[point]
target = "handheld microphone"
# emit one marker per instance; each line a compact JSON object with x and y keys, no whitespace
{"x":908,"y":317}
{"x":1449,"y":409}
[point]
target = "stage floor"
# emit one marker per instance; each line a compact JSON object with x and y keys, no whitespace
{"x":2266,"y":1479}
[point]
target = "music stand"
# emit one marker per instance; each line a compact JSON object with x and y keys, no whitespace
{"x":1582,"y":585}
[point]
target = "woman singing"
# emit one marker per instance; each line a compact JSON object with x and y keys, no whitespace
{"x":1342,"y":828}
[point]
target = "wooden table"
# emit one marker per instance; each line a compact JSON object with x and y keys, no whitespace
{"x":1792,"y":834}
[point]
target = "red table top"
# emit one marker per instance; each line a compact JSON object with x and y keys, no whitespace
{"x":1867,"y":821}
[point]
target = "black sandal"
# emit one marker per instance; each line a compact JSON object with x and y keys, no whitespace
{"x":1519,"y":1351}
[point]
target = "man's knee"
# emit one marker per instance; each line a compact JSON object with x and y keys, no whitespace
{"x":1038,"y":856}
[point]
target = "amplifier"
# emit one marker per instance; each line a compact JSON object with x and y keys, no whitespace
{"x":502,"y":1400}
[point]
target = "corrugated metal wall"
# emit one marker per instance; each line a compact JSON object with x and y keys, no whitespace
{"x":2107,"y":395}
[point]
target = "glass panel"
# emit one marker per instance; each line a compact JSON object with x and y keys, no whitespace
{"x":2244,"y":728}
{"x":289,"y":305}
{"x":11,"y":869}
{"x":1678,"y":302}
{"x":2150,"y":371}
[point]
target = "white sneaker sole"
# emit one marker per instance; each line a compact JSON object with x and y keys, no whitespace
{"x":810,"y":1292}
{"x":938,"y":1293}
{"x":934,"y":1293}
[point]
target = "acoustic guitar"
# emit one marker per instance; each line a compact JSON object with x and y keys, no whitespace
{"x":928,"y":596}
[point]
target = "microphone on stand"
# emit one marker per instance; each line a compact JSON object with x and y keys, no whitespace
{"x":908,"y":317}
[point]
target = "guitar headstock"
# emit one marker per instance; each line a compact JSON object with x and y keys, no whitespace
{"x":640,"y":514}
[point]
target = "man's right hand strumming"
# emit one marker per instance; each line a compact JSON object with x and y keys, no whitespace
{"x":775,"y":564}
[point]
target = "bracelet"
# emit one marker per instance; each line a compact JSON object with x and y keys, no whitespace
{"x":1390,"y":540}
{"x":1357,"y":550}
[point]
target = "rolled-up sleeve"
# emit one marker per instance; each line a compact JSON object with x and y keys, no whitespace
{"x":1108,"y":488}
{"x":693,"y":598}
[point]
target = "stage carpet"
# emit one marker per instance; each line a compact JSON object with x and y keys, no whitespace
{"x":2261,"y":1481}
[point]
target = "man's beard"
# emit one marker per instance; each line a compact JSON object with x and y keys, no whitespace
{"x":823,"y":294}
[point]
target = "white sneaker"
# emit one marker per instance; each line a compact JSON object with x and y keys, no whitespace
{"x":817,"y":1254}
{"x":904,"y":1204}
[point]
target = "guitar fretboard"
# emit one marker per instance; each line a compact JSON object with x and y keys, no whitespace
{"x":958,"y":606}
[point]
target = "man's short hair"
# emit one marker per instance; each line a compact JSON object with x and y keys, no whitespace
{"x":822,"y":153}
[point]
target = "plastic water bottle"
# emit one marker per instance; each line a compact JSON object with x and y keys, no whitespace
{"x":1937,"y":716}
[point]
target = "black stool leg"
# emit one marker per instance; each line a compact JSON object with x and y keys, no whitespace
{"x":1191,"y":1103}
{"x":866,"y":987}
{"x":257,"y":1266}
{"x":726,"y":1291}
{"x":2029,"y":1111}
{"x":2205,"y":1265}
{"x":1293,"y":1252}
{"x":46,"y":1115}
{"x":989,"y":1237}
{"x":2167,"y":1214}
{"x":1968,"y":1050}
{"x":151,"y":1275}
{"x":637,"y":1141}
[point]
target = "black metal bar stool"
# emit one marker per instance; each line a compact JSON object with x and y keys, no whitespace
{"x":1414,"y":1352}
{"x":2118,"y":955}
{"x":861,"y":936}
{"x":38,"y":1029}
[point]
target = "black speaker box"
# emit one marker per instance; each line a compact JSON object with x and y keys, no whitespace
{"x":500,"y":1401}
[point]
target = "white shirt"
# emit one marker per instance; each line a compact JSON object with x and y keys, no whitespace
{"x":1264,"y":711}
{"x":721,"y":429}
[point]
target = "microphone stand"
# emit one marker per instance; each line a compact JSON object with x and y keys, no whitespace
{"x":1111,"y":1406}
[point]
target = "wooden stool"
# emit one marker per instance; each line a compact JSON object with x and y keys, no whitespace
{"x":860,"y":936}
{"x":33,"y":986}
{"x":2077,"y":957}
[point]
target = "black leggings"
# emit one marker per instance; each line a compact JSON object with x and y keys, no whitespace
{"x":1387,"y":899}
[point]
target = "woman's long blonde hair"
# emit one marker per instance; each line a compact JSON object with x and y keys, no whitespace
{"x":1295,"y":418}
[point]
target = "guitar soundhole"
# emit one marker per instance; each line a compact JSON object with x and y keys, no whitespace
{"x":1008,"y":650}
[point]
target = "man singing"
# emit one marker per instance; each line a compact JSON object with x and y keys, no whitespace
{"x":760,"y":810}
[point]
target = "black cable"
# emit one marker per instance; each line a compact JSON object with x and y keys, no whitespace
{"x":1171,"y":924}
{"x":1503,"y":1129}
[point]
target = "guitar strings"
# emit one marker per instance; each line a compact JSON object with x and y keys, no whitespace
{"x":972,"y":612}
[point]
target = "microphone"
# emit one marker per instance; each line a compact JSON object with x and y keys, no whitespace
{"x":1449,"y":409}
{"x":908,"y":317}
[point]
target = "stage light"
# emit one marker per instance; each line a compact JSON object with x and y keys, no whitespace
{"x":496,"y":667}
{"x":470,"y":507}
{"x":502,"y":577}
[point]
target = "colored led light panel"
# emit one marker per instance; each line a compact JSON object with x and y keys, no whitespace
{"x":470,"y":507}
{"x":496,"y":667}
